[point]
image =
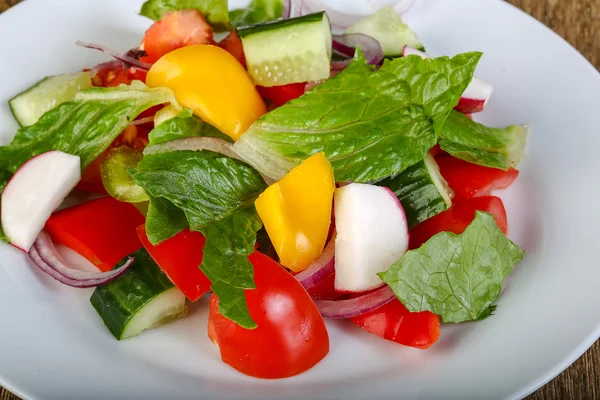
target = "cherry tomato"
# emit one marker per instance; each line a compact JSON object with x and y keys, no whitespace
{"x":291,"y":336}
{"x":394,"y":322}
{"x":176,"y":29}
{"x":470,"y":180}
{"x":457,"y":218}
{"x":233,"y":45}
{"x":282,"y":94}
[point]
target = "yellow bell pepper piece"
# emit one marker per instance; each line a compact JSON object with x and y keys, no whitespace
{"x":213,"y":84}
{"x":296,"y":212}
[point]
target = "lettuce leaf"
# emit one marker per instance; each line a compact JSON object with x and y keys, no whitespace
{"x":163,"y":220}
{"x":501,"y":148}
{"x":458,"y":277}
{"x":370,"y":125}
{"x":215,"y":11}
{"x":229,"y":242}
{"x":257,"y":12}
{"x":184,"y":125}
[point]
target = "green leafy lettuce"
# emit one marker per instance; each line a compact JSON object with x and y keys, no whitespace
{"x":257,"y":12}
{"x":458,"y":277}
{"x":163,"y":220}
{"x":184,"y":125}
{"x":215,"y":11}
{"x":501,"y":148}
{"x":225,"y":262}
{"x":370,"y":125}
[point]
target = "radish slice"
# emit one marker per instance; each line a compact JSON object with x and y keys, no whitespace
{"x":475,"y":96}
{"x":346,"y":45}
{"x":33,"y":192}
{"x":46,"y":258}
{"x":320,"y":269}
{"x":121,"y":57}
{"x":372,"y":234}
{"x":356,"y":306}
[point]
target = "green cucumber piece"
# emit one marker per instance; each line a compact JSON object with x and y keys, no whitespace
{"x":422,"y":190}
{"x":50,"y":92}
{"x":288,"y":51}
{"x":142,"y":298}
{"x":116,"y":178}
{"x":389,"y":30}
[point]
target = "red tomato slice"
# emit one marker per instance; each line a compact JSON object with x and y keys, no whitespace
{"x":179,"y":258}
{"x":457,"y":218}
{"x":282,"y":94}
{"x":176,"y":29}
{"x":394,"y":322}
{"x":291,"y":336}
{"x":101,"y":230}
{"x":233,"y":44}
{"x":470,"y":180}
{"x":111,"y":76}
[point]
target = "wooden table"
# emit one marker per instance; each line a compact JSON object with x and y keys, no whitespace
{"x":578,"y":21}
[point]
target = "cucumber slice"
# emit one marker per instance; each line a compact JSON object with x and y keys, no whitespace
{"x":142,"y":298}
{"x":288,"y":51}
{"x":422,"y":190}
{"x":389,"y":30}
{"x":50,"y":92}
{"x":116,"y":178}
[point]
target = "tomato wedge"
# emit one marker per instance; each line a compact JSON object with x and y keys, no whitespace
{"x":458,"y":217}
{"x":394,"y":322}
{"x":101,"y":230}
{"x":470,"y":180}
{"x":233,"y":44}
{"x":282,"y":94}
{"x":176,"y":29}
{"x":179,"y":258}
{"x":291,"y":336}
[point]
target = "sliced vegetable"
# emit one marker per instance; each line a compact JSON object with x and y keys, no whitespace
{"x":101,"y":230}
{"x":50,"y":92}
{"x":142,"y":298}
{"x":490,"y":147}
{"x":215,"y":11}
{"x":458,"y":277}
{"x":196,"y":74}
{"x":174,"y":30}
{"x":256,"y":12}
{"x":124,"y":58}
{"x":291,"y":336}
{"x":296,"y":212}
{"x":282,"y":94}
{"x":195,"y":144}
{"x":233,"y":45}
{"x":35,"y":190}
{"x":469,"y":180}
{"x":389,"y":30}
{"x":304,"y":56}
{"x":356,"y":306}
{"x":167,"y":113}
{"x":179,"y":258}
{"x":180,"y":126}
{"x":44,"y":256}
{"x":346,"y":45}
{"x":394,"y":322}
{"x":371,"y":235}
{"x":116,"y":178}
{"x":320,"y":269}
{"x":370,"y":125}
{"x":422,"y":190}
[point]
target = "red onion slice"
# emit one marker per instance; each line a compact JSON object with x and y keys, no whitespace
{"x":287,"y":5}
{"x":320,"y":269}
{"x":121,"y":57}
{"x":141,"y":121}
{"x":345,"y":45}
{"x":356,"y":306}
{"x":46,"y":258}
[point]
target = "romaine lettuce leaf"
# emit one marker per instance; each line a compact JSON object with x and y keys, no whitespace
{"x":501,"y":148}
{"x":163,"y":220}
{"x":370,"y":125}
{"x":257,"y":12}
{"x":458,"y":277}
{"x":215,"y":11}
{"x":184,"y":125}
{"x":229,"y":242}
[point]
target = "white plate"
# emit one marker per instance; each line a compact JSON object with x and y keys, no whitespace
{"x":53,"y":345}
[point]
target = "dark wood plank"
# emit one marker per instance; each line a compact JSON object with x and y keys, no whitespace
{"x":578,"y":21}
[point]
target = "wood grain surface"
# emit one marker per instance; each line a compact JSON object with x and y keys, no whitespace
{"x":578,"y":21}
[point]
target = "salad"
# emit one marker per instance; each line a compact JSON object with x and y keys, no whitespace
{"x":293,"y":163}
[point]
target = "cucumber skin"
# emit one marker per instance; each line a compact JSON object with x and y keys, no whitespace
{"x":246,"y":31}
{"x":118,"y":301}
{"x":417,"y":193}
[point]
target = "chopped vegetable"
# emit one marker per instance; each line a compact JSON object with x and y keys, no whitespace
{"x":280,"y":95}
{"x":196,"y":74}
{"x":291,"y":336}
{"x":163,"y":220}
{"x":215,"y":11}
{"x":296,"y":212}
{"x":355,"y":306}
{"x":101,"y":230}
{"x":116,"y":178}
{"x":142,"y":298}
{"x":458,"y":277}
{"x":233,"y":45}
{"x":183,"y":125}
{"x":258,"y":11}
